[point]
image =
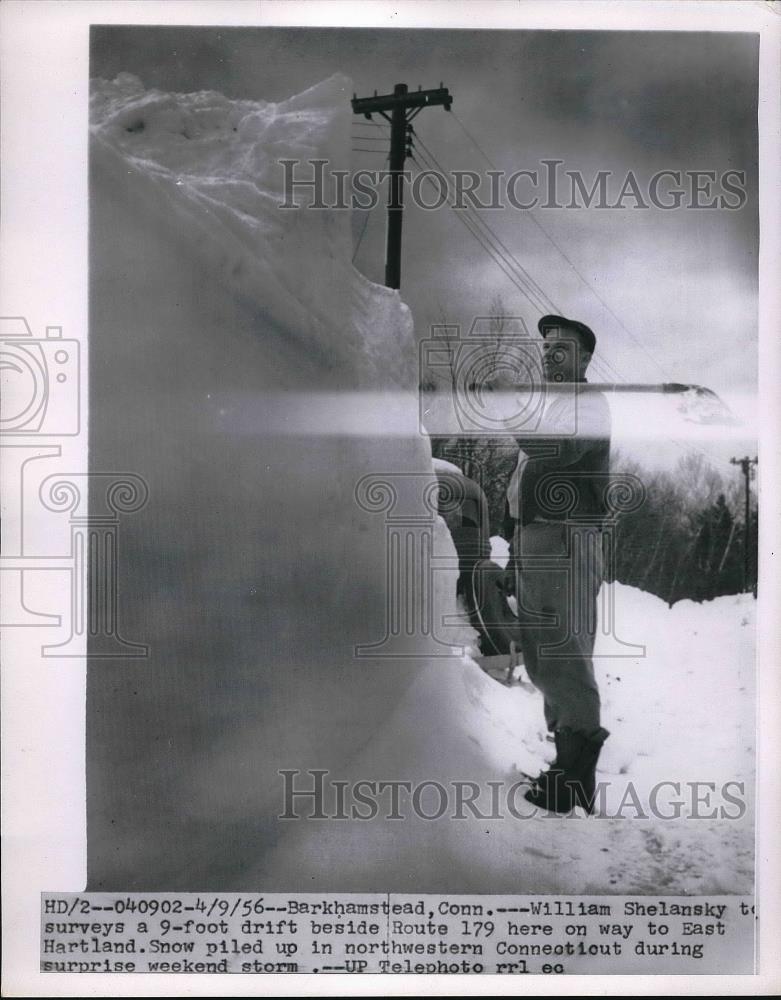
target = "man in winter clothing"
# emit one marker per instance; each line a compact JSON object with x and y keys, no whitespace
{"x":556,"y":507}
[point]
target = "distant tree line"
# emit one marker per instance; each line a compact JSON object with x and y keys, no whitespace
{"x":687,"y":539}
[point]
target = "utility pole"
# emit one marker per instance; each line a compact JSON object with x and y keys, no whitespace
{"x":745,"y":464}
{"x":398,"y":104}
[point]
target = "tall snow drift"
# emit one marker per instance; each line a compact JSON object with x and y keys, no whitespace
{"x":252,"y":572}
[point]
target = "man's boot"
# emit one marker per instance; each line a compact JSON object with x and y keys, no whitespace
{"x":586,"y":786}
{"x":571,"y":779}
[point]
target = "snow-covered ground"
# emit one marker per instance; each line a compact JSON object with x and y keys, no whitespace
{"x":682,"y":714}
{"x":254,"y":571}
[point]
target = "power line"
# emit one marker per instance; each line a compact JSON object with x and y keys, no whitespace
{"x":492,"y":244}
{"x":547,"y":302}
{"x":363,"y":231}
{"x":485,"y":244}
{"x":473,"y":222}
{"x":485,"y":240}
{"x":550,"y":238}
{"x":367,"y":213}
{"x":522,"y":271}
{"x":599,"y":362}
{"x":548,"y":305}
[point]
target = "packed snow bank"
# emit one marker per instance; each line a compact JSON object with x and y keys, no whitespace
{"x":262,"y":560}
{"x":254,"y":571}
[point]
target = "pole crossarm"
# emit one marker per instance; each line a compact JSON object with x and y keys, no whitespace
{"x":388,"y":102}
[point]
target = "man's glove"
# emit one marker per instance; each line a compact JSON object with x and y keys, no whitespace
{"x":506,"y":582}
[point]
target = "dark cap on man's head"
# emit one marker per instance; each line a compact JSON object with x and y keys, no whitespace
{"x":586,"y":334}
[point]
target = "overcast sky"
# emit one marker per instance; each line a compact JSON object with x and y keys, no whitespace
{"x":683,"y":282}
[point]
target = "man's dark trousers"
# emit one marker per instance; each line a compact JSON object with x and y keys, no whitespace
{"x":559,"y":573}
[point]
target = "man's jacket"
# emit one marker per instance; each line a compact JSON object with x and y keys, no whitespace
{"x":563,"y":467}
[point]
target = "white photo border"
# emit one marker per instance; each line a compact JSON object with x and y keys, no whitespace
{"x":44,"y":54}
